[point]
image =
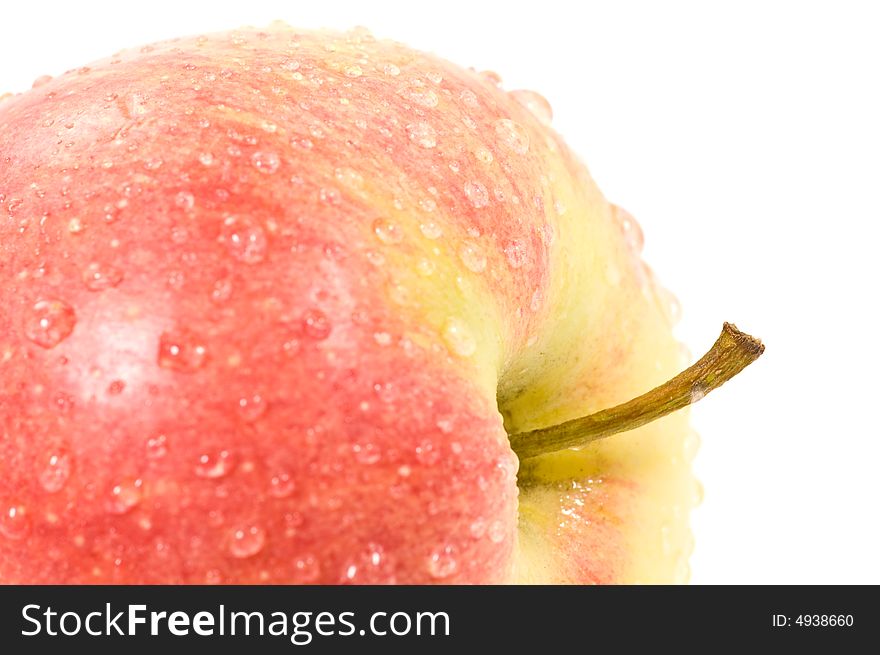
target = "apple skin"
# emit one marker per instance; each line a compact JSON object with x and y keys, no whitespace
{"x":270,"y":301}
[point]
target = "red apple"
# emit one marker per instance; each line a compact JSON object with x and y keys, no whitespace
{"x":271,"y":303}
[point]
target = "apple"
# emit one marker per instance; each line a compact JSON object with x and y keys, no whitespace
{"x":306,"y":307}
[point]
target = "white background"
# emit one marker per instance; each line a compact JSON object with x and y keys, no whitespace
{"x":745,"y":137}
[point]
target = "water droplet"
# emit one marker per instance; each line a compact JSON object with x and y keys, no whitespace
{"x":669,"y":305}
{"x":459,"y":337}
{"x":537,"y":300}
{"x":422,"y":134}
{"x":245,"y":239}
{"x":136,"y":105}
{"x":367,"y":453}
{"x":291,"y":347}
{"x":513,"y":135}
{"x":478,"y":528}
{"x":535,"y":103}
{"x":75,"y":226}
{"x":375,"y":258}
{"x":157,"y":446}
{"x":14,"y":522}
{"x":64,"y":402}
{"x":222,"y":290}
{"x":49,"y":323}
{"x":632,"y":231}
{"x":181,"y":351}
{"x":349,"y":178}
{"x":491,"y":77}
{"x":330,"y":195}
{"x":469,"y":98}
{"x":353,"y":71}
{"x":251,"y":408}
{"x":476,"y":193}
{"x":281,"y":485}
{"x":425,"y":267}
{"x":266,"y":162}
{"x":484,"y":155}
{"x":399,"y":294}
{"x":316,"y":324}
{"x":371,"y":566}
{"x":215,"y":518}
{"x":430,"y":230}
{"x":472,"y":257}
{"x":419,"y":93}
{"x":185,"y":200}
{"x":516,"y":253}
{"x":56,"y":472}
{"x":387,"y":232}
{"x":442,"y":562}
{"x":386,"y":391}
{"x":427,"y":454}
{"x":446,"y":425}
{"x":391,"y":69}
{"x":612,"y":274}
{"x":124,"y":496}
{"x":306,"y":569}
{"x":496,"y":532}
{"x":247,"y":541}
{"x":215,"y":465}
{"x":98,"y":277}
{"x":382,"y":338}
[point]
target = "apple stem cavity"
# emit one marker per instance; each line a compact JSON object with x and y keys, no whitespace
{"x":731,"y":353}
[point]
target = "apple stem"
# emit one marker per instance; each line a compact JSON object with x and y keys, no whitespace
{"x":731,"y":353}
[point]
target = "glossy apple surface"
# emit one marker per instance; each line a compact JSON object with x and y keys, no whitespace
{"x":270,"y":304}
